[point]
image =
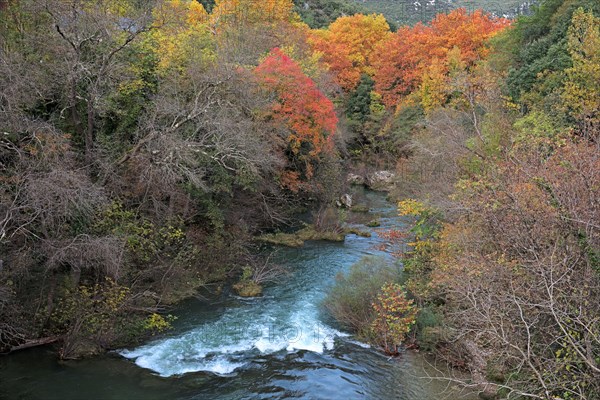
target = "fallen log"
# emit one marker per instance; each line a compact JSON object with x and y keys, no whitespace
{"x":34,"y":343}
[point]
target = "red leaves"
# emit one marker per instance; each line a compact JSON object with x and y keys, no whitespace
{"x":300,"y":107}
{"x":394,"y":242}
{"x":402,"y":60}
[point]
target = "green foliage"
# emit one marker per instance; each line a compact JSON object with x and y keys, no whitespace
{"x":320,"y":13}
{"x":427,"y":223}
{"x":593,"y":254}
{"x":157,"y":323}
{"x":365,"y":112}
{"x":419,"y":263}
{"x":581,"y":95}
{"x":350,"y":299}
{"x":247,"y":285}
{"x":247,"y":273}
{"x":143,"y":238}
{"x":208,"y":4}
{"x":95,"y":305}
{"x":409,"y":12}
{"x":96,"y":315}
{"x":537,"y":125}
{"x":404,"y":124}
{"x":542,"y":48}
{"x":309,"y":232}
{"x":370,"y":302}
{"x":127,"y":104}
{"x":429,"y":327}
{"x":374,"y":223}
{"x":358,"y":106}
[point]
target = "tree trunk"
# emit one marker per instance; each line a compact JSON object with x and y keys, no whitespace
{"x":89,"y":133}
{"x":34,"y":343}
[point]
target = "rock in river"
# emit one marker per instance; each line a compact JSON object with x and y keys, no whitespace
{"x":345,"y":201}
{"x":381,"y":180}
{"x":354,"y":179}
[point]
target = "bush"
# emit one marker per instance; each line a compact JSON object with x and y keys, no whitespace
{"x":394,"y":317}
{"x":350,"y":299}
{"x":429,"y":328}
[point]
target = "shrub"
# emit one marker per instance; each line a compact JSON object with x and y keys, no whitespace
{"x":394,"y":317}
{"x":429,"y":328}
{"x":349,"y":300}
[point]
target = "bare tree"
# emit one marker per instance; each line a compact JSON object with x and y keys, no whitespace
{"x":91,"y":37}
{"x":524,"y":288}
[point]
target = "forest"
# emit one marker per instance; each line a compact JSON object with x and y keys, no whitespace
{"x":146,"y":145}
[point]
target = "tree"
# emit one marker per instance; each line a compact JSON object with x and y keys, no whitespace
{"x":397,"y":63}
{"x":350,"y":300}
{"x":581,"y":95}
{"x":358,"y":106}
{"x":301,"y":108}
{"x":91,"y":36}
{"x":538,"y":50}
{"x":434,"y":86}
{"x":321,"y":13}
{"x":182,"y":162}
{"x":394,"y":317}
{"x":176,"y":24}
{"x":349,"y":44}
{"x":236,"y":12}
{"x":402,"y":60}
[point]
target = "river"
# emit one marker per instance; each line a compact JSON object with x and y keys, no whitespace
{"x":278,"y":346}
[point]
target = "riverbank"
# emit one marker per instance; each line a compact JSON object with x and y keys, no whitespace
{"x":229,"y":347}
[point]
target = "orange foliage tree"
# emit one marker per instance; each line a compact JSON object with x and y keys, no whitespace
{"x":401,"y":62}
{"x":349,"y":44}
{"x":300,"y":107}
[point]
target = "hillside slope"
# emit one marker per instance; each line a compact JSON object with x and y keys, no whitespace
{"x":409,"y":11}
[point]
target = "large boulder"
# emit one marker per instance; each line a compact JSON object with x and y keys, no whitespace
{"x":345,"y":201}
{"x":381,"y":180}
{"x":354,"y":179}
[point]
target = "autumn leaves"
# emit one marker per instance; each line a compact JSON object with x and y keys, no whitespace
{"x":400,"y":62}
{"x":415,"y":62}
{"x":301,"y":107}
{"x":349,"y":46}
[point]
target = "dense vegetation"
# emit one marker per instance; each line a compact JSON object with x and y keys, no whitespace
{"x":503,"y":159}
{"x":144,"y":144}
{"x":320,"y":13}
{"x":505,"y":258}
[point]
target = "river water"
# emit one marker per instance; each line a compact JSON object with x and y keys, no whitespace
{"x":278,"y":346}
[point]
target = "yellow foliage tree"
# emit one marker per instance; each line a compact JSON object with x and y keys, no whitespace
{"x":251,"y":11}
{"x":581,"y":95}
{"x":434,"y":86}
{"x":180,"y":25}
{"x":348,"y":46}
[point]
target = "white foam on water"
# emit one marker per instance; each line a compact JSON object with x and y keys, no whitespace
{"x":309,"y":333}
{"x":223,"y":346}
{"x":359,"y":343}
{"x":167,"y":359}
{"x":269,"y":345}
